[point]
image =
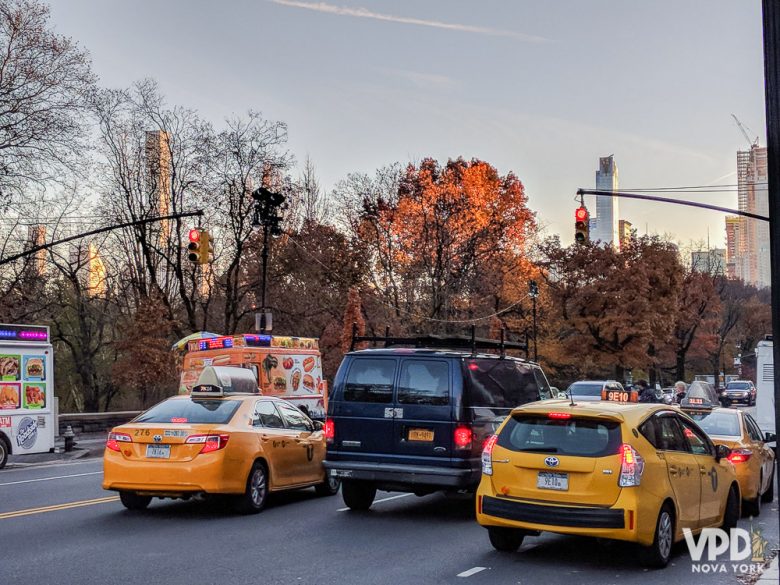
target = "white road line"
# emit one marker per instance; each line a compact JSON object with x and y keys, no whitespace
{"x":380,"y":501}
{"x":51,"y":478}
{"x":470,"y":572}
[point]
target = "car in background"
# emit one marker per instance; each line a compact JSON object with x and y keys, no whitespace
{"x":626,"y":471}
{"x":224,"y":438}
{"x":753,"y":459}
{"x":591,"y":390}
{"x":414,"y":419}
{"x":740,"y":392}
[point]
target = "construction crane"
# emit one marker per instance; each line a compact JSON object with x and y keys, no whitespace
{"x":744,"y":129}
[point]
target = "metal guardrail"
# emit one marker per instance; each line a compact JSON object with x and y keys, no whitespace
{"x":94,"y":422}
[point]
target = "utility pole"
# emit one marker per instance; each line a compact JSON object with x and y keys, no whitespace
{"x":268,"y":205}
{"x":771,"y":22}
{"x":533,"y":292}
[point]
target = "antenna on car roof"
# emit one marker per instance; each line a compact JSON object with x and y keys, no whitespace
{"x":473,"y":339}
{"x":502,"y":347}
{"x":387,"y":335}
{"x":354,"y":335}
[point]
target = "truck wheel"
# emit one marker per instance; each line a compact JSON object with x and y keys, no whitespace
{"x":769,"y":494}
{"x":357,"y":495}
{"x":253,"y":499}
{"x":329,"y":487}
{"x":657,"y":554}
{"x":133,"y":501}
{"x":3,"y":452}
{"x":505,"y":539}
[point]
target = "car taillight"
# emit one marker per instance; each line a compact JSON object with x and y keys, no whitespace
{"x":631,"y":466}
{"x":559,"y":415}
{"x":487,"y":455}
{"x":115,"y":438}
{"x":210,"y":442}
{"x":739,"y":455}
{"x":463,"y":437}
{"x":329,"y":430}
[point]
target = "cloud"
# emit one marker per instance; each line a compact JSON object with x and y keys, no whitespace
{"x":359,"y":12}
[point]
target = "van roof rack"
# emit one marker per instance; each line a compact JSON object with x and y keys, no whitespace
{"x":471,"y":342}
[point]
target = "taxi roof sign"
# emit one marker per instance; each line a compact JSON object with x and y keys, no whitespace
{"x":700,"y":396}
{"x":215,"y":381}
{"x":620,"y":395}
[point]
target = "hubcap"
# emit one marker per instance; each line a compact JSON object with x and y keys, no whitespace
{"x":258,"y":486}
{"x":665,"y":534}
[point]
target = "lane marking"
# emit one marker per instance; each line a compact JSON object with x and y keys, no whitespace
{"x":50,"y":478}
{"x":380,"y":501}
{"x":17,"y":467}
{"x":58,"y":507}
{"x":470,"y":572}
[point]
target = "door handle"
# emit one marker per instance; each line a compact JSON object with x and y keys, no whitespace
{"x":673,"y":470}
{"x":702,"y":470}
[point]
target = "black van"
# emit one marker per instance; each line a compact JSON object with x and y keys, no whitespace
{"x":415,"y":419}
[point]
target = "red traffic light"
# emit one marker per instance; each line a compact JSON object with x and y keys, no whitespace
{"x":194,"y":235}
{"x":581,"y":214}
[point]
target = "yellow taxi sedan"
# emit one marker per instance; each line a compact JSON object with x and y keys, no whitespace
{"x":216,"y":442}
{"x":634,"y":472}
{"x":753,"y":460}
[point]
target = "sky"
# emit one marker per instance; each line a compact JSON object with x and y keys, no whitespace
{"x":542,"y":89}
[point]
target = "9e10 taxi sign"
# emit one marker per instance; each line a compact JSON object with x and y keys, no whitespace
{"x":620,"y":395}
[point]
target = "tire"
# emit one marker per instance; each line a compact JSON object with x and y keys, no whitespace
{"x":3,"y":452}
{"x":505,"y":539}
{"x":254,"y":498}
{"x":133,"y":501}
{"x":731,"y":514}
{"x":329,"y":487}
{"x":657,"y":555}
{"x":769,"y":495}
{"x":358,"y":496}
{"x":752,"y":508}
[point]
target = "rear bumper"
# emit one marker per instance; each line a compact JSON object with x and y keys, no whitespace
{"x":401,"y":477}
{"x":570,"y":517}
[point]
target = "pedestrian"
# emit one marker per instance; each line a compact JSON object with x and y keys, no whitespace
{"x":680,"y":388}
{"x":646,"y":394}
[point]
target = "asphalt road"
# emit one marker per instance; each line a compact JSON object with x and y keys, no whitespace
{"x":58,"y":526}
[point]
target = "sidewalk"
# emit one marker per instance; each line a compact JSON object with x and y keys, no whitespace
{"x":770,"y":574}
{"x":86,"y":445}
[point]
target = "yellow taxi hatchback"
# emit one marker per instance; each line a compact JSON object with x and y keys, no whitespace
{"x":633,"y":472}
{"x":216,"y":441}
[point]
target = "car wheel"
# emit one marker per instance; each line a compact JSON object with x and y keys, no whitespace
{"x":329,"y":487}
{"x":657,"y":554}
{"x":752,"y":508}
{"x":357,"y":495}
{"x":731,"y":514}
{"x":769,"y":494}
{"x":253,"y":499}
{"x":505,"y":539}
{"x":3,"y":453}
{"x":133,"y":501}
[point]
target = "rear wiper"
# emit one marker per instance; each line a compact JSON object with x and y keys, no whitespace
{"x":540,"y":450}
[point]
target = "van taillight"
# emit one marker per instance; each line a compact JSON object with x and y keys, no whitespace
{"x":210,"y":442}
{"x":631,"y":466}
{"x":463,"y":436}
{"x":115,"y":438}
{"x":329,"y":430}
{"x":487,"y":455}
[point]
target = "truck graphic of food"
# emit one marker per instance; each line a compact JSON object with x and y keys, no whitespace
{"x":34,"y":396}
{"x":10,"y":398}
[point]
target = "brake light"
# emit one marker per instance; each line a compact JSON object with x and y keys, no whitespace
{"x":559,"y":415}
{"x":463,"y":437}
{"x":115,"y":438}
{"x":631,"y":466}
{"x":210,"y":442}
{"x":487,"y":455}
{"x":329,"y":430}
{"x":739,"y":455}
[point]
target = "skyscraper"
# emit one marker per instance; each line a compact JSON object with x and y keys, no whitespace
{"x":751,"y":236}
{"x":158,"y":162}
{"x":733,"y":251}
{"x":36,"y":236}
{"x":607,"y":223}
{"x":624,"y":231}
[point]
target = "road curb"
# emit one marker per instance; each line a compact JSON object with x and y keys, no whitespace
{"x":770,"y":574}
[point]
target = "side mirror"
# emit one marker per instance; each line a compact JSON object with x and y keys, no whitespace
{"x":317,"y":424}
{"x":721,"y":452}
{"x":770,"y":438}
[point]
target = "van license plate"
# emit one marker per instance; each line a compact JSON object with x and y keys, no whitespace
{"x":158,"y":451}
{"x":420,"y":435}
{"x":553,"y":481}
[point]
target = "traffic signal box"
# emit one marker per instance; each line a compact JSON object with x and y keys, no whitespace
{"x":199,"y":249}
{"x":581,"y":227}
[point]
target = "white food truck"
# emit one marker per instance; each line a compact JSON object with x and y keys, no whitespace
{"x":765,"y":386}
{"x":26,"y":391}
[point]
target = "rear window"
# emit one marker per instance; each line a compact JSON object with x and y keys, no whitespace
{"x":575,"y":437}
{"x":585,"y":389}
{"x":737,"y":386}
{"x":424,"y":382}
{"x":501,"y":383}
{"x":191,"y":412}
{"x":718,"y":423}
{"x":370,"y":380}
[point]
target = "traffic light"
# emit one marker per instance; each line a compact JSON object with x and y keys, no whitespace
{"x":193,"y":248}
{"x":581,"y":225}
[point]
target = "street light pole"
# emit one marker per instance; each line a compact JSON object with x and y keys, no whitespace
{"x":533,"y":292}
{"x":266,"y":215}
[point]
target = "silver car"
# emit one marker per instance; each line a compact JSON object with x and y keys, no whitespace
{"x":590,"y":390}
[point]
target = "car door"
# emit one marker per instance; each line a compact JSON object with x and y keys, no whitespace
{"x":423,"y":426}
{"x":682,"y":468}
{"x":276,"y":441}
{"x":712,"y":481}
{"x":761,"y":452}
{"x":305,"y":469}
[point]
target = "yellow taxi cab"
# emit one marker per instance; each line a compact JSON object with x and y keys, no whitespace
{"x":753,"y":460}
{"x":624,"y":471}
{"x":224,"y":438}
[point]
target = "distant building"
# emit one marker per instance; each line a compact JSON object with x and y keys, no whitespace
{"x":750,"y":259}
{"x":711,"y":261}
{"x":624,"y":232}
{"x":36,"y":236}
{"x":158,"y":162}
{"x":734,"y":253}
{"x":607,"y":223}
{"x":88,"y":264}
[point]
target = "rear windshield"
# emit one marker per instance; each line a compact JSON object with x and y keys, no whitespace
{"x":585,"y":389}
{"x":576,"y":437}
{"x":718,"y":423}
{"x":737,"y":386}
{"x":191,"y":412}
{"x":502,"y":383}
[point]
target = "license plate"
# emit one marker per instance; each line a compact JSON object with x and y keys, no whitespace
{"x":158,"y":451}
{"x":341,"y":473}
{"x":420,"y":435}
{"x":552,"y":481}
